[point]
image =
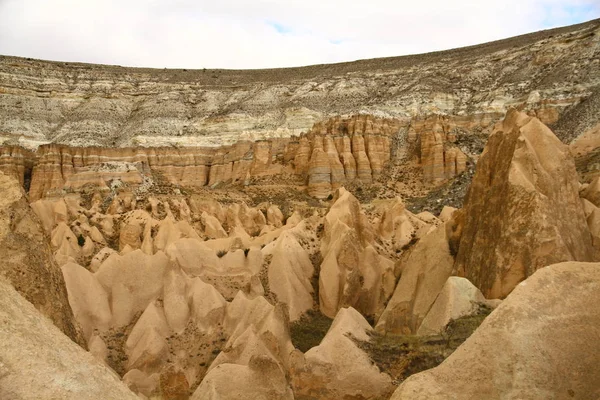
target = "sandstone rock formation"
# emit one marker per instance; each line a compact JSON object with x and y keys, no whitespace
{"x":524,"y":176}
{"x":458,"y":298}
{"x":532,"y":346}
{"x":39,"y":362}
{"x":337,"y":368}
{"x":424,"y":274}
{"x":352,"y":274}
{"x":26,"y":259}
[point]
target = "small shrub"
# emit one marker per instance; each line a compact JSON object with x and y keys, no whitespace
{"x":221,"y":253}
{"x":80,"y":240}
{"x":246,"y":251}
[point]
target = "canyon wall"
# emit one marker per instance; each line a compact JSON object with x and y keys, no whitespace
{"x":332,"y":153}
{"x":95,"y":105}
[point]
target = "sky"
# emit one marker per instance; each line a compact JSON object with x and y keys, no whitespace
{"x":239,"y":34}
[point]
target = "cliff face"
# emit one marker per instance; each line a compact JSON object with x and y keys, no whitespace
{"x":334,"y":152}
{"x":85,"y":105}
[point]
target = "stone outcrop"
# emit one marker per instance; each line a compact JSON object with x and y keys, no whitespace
{"x":40,"y":362}
{"x":440,"y":159}
{"x":352,"y":274}
{"x":424,"y":273}
{"x":26,"y":259}
{"x":458,"y":298}
{"x":522,"y":210}
{"x":337,"y":368}
{"x":541,"y":342}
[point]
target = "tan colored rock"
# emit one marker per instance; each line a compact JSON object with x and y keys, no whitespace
{"x":177,"y":310}
{"x":141,"y":383}
{"x":400,"y":226}
{"x":352,"y":273}
{"x":274,"y":216}
{"x":446,"y":213}
{"x":34,"y":274}
{"x":130,"y":235}
{"x":250,"y":219}
{"x":319,"y":172}
{"x":270,"y":324}
{"x":363,"y":165}
{"x":531,"y":347}
{"x":66,"y":244}
{"x":337,"y":368}
{"x":212,"y":226}
{"x":424,"y":273}
{"x":40,"y":362}
{"x":289,"y":275}
{"x":145,"y":345}
{"x":132,"y":282}
{"x":261,"y":379}
{"x":207,"y":306}
{"x":88,"y":299}
{"x":458,"y":298}
{"x":432,"y":155}
{"x":242,"y":348}
{"x":592,"y":192}
{"x":524,"y":175}
{"x":338,"y":176}
{"x":193,"y":256}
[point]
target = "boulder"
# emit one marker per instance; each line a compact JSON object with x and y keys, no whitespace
{"x":289,"y":275}
{"x":87,"y":298}
{"x":132,"y":281}
{"x":542,"y":342}
{"x":261,"y":379}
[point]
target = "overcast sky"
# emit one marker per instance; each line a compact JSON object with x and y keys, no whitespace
{"x":265,"y":33}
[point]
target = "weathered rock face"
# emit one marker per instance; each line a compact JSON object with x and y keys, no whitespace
{"x":94,"y":105}
{"x":424,"y":273}
{"x":541,"y":342}
{"x":26,"y":259}
{"x":434,"y":139}
{"x":458,"y":298}
{"x":40,"y":362}
{"x":352,"y":274}
{"x":338,"y":368}
{"x":523,"y":209}
{"x":62,"y":167}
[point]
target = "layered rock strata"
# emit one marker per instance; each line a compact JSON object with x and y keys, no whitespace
{"x":98,"y":105}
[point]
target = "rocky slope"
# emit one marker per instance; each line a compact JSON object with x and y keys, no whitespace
{"x":84,"y":105}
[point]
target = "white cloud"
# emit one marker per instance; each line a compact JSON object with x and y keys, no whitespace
{"x":265,"y":33}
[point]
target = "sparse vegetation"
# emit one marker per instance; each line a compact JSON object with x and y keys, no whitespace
{"x":309,"y":330}
{"x":404,"y":355}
